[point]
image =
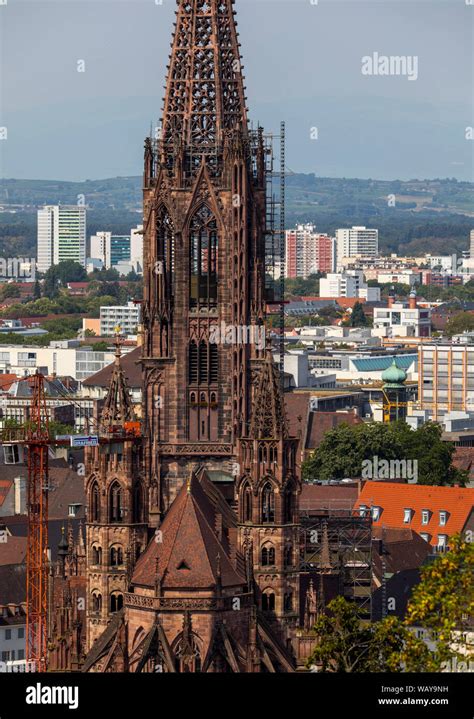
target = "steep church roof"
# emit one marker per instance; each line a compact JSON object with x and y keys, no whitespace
{"x":190,"y":553}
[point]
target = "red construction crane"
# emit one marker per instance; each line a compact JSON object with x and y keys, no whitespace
{"x":37,"y":439}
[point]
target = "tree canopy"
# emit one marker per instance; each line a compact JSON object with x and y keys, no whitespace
{"x":344,"y":449}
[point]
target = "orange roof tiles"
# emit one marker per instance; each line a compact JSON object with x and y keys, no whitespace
{"x":393,"y":499}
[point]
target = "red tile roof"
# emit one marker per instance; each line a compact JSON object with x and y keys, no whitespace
{"x":5,"y":485}
{"x":13,"y":551}
{"x":394,"y":498}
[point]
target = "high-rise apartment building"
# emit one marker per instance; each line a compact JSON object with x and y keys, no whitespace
{"x":357,"y":241}
{"x":111,"y":249}
{"x":471,"y":253}
{"x":446,"y":379}
{"x":61,"y":235}
{"x":308,"y":252}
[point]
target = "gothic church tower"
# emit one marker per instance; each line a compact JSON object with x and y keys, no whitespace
{"x":204,"y":225}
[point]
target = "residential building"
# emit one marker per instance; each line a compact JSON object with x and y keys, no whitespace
{"x":111,"y":250}
{"x":402,"y":319}
{"x":435,"y":513}
{"x":357,"y":242}
{"x":127,"y":317}
{"x":136,"y":249}
{"x":446,"y":378}
{"x":309,"y":252}
{"x":12,"y":635}
{"x":348,"y":284}
{"x":404,"y":277}
{"x":61,"y":235}
{"x":65,"y":357}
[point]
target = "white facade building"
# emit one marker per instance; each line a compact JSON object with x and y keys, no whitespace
{"x":402,"y":320}
{"x":12,"y":637}
{"x":357,"y":242}
{"x":100,"y":248}
{"x":61,"y":235}
{"x":65,"y":358}
{"x":348,"y":284}
{"x":127,"y":317}
{"x":136,"y":249}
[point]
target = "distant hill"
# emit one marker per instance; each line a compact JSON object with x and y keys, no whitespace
{"x":429,"y":215}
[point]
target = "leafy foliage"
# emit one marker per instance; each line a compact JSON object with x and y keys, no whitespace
{"x":344,"y":448}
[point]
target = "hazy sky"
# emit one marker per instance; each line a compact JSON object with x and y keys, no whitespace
{"x":302,"y":64}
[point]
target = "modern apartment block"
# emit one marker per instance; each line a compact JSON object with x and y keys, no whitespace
{"x":357,"y":242}
{"x":111,"y":250}
{"x":348,"y":284}
{"x":63,"y":357}
{"x":127,"y":317}
{"x":402,"y":319}
{"x":308,"y":252}
{"x":446,"y":378}
{"x":61,"y":235}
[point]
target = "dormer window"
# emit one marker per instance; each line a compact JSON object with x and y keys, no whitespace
{"x":375,"y":514}
{"x":425,"y":516}
{"x":407,"y":516}
{"x":442,"y":542}
{"x":443,"y":518}
{"x":363,"y":510}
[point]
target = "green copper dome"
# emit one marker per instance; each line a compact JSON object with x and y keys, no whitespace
{"x":394,"y":375}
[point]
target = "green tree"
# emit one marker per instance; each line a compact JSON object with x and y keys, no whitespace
{"x":344,"y":449}
{"x":345,"y":644}
{"x":37,"y":290}
{"x":9,"y":290}
{"x":459,"y":323}
{"x":443,"y":602}
{"x":358,"y":318}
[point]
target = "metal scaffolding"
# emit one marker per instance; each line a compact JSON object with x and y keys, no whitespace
{"x":335,"y":541}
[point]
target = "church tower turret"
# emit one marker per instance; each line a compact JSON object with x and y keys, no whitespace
{"x":116,"y":530}
{"x":267,"y":496}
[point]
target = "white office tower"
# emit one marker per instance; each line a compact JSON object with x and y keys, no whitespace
{"x":471,"y":254}
{"x":61,"y":235}
{"x":100,"y":248}
{"x":357,"y":241}
{"x":136,"y":249}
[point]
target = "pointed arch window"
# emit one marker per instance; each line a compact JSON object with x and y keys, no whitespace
{"x":95,"y":503}
{"x":193,"y":363}
{"x":115,"y":503}
{"x":138,"y":504}
{"x":268,"y":504}
{"x":247,"y":503}
{"x":203,"y":247}
{"x":165,"y":246}
{"x":288,"y":505}
{"x":187,"y":652}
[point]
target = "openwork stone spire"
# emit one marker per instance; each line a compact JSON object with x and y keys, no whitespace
{"x":204,"y":92}
{"x":268,"y":416}
{"x":118,"y":407}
